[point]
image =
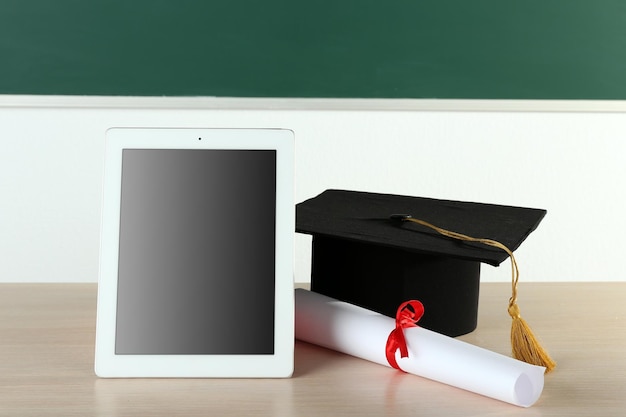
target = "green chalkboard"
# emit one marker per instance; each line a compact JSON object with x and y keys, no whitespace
{"x":500,"y":49}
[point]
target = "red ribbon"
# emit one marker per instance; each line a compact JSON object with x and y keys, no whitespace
{"x":408,"y":314}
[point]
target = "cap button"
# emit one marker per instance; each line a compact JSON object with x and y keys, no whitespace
{"x":400,"y":217}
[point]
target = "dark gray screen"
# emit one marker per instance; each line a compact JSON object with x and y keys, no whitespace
{"x":197,"y":249}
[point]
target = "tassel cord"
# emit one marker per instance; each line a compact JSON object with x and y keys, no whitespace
{"x":525,"y":345}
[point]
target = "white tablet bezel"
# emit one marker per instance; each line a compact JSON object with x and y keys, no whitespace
{"x":280,"y":364}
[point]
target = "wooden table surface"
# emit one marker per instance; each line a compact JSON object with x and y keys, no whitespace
{"x":47,"y":346}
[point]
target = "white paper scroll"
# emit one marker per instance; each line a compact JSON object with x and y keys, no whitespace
{"x":363,"y":333}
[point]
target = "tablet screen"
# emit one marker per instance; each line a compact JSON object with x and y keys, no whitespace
{"x":196,"y":271}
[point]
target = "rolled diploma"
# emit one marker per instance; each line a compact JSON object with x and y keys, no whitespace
{"x":363,"y":333}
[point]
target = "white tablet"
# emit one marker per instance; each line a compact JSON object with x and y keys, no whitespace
{"x":196,"y":263}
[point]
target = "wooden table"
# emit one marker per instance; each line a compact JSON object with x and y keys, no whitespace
{"x":47,"y":345}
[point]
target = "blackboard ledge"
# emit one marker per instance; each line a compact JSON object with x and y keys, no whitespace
{"x":320,"y":104}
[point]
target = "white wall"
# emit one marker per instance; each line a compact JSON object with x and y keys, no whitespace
{"x":568,"y":162}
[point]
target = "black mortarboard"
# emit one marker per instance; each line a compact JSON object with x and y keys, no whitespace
{"x":365,"y":255}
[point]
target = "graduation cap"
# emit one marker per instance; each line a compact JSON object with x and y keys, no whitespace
{"x":379,"y":250}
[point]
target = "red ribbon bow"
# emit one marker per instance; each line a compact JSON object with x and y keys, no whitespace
{"x":405,"y":317}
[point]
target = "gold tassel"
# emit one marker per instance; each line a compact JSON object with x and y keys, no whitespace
{"x":524,"y":344}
